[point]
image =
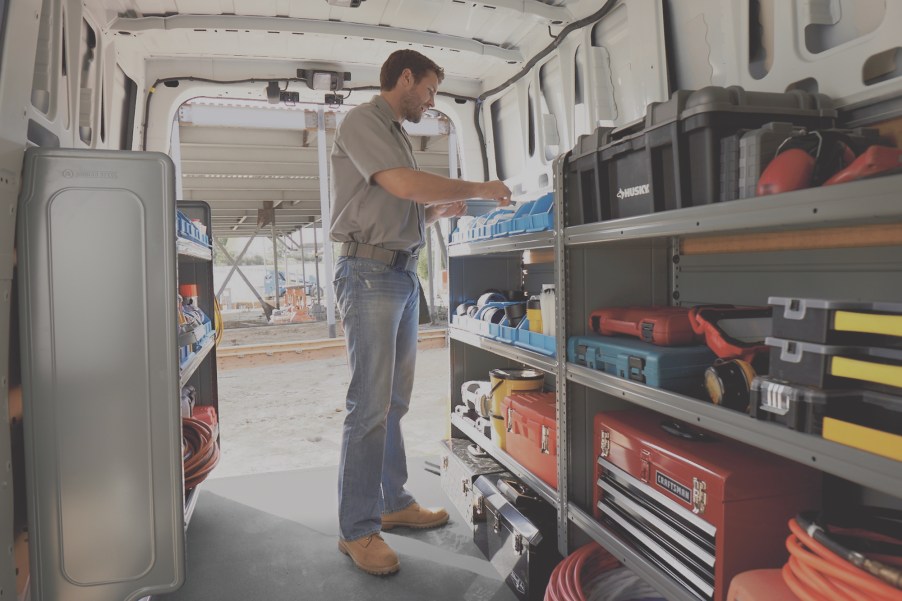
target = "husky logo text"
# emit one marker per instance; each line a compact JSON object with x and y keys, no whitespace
{"x":634,"y":191}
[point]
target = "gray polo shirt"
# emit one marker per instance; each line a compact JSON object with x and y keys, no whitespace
{"x":368,"y":141}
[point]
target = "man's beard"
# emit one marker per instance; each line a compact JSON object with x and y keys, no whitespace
{"x":410,"y":110}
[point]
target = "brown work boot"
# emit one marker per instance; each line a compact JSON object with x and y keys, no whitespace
{"x":371,"y":554}
{"x":414,"y":516}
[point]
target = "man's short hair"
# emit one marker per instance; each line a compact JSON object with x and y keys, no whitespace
{"x":407,"y":59}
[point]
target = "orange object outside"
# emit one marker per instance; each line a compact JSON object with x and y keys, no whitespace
{"x":187,"y":290}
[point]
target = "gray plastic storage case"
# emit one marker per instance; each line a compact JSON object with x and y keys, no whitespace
{"x":97,"y":274}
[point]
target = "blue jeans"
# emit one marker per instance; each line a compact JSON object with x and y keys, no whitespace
{"x":380,"y":312}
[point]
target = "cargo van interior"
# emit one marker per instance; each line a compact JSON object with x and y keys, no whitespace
{"x":734,"y":163}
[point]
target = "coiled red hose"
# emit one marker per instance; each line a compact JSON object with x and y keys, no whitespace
{"x":201,"y":452}
{"x":569,"y":577}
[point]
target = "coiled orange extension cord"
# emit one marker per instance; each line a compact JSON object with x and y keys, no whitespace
{"x":815,"y":573}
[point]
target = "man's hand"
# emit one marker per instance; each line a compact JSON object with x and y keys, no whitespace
{"x":497,"y":191}
{"x":445,"y":210}
{"x":452,"y":209}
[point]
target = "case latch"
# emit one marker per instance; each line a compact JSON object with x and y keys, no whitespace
{"x":510,"y":419}
{"x":444,"y":462}
{"x":645,"y":470}
{"x":605,"y":443}
{"x":496,"y":524}
{"x":699,"y":495}
{"x":545,"y":437}
{"x":478,"y":507}
{"x":465,"y":486}
{"x":636,"y":366}
{"x":518,"y":544}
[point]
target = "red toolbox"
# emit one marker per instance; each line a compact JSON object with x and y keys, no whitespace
{"x":532,"y":432}
{"x":664,"y":326}
{"x":700,"y":507}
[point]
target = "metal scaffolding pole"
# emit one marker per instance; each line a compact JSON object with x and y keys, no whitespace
{"x":275,"y":260}
{"x":235,"y":263}
{"x":303,"y":260}
{"x":429,"y":275}
{"x":316,"y":263}
{"x":326,"y":204}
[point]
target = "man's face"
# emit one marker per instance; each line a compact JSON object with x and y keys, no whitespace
{"x":419,"y":97}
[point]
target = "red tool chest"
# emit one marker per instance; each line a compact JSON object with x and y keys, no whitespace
{"x":531,"y":439}
{"x":701,"y":507}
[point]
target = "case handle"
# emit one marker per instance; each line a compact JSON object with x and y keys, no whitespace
{"x":675,"y":428}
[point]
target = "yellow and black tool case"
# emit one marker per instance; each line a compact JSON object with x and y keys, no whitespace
{"x":837,"y":322}
{"x":836,"y":366}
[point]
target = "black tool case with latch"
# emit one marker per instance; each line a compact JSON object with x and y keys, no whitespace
{"x":521,"y":529}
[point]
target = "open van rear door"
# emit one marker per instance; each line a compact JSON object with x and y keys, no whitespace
{"x":101,"y":379}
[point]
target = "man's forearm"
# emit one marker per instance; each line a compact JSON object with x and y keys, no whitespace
{"x":426,"y":188}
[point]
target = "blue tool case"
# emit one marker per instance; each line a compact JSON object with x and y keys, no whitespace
{"x":678,"y":368}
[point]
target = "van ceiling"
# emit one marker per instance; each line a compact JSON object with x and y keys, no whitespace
{"x":240,"y":169}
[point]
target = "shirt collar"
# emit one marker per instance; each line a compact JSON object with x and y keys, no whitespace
{"x":384,"y":108}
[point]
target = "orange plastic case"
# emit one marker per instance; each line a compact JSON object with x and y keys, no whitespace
{"x":664,"y":326}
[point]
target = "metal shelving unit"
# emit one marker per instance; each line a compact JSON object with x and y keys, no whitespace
{"x":196,"y":361}
{"x":636,"y":261}
{"x":643,"y":255}
{"x":851,"y":464}
{"x":515,"y":353}
{"x":195,"y":266}
{"x":516,"y":243}
{"x":861,"y":202}
{"x":190,"y":249}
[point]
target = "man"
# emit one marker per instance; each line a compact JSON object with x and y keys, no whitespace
{"x":382,"y":205}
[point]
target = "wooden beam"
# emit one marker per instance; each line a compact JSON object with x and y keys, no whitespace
{"x":837,"y":237}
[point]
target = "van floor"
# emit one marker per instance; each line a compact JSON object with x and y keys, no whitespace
{"x":274,"y":536}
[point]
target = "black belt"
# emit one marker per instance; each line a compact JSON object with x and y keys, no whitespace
{"x":392,"y":258}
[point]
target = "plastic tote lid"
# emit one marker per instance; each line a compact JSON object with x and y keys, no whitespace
{"x":517,"y":373}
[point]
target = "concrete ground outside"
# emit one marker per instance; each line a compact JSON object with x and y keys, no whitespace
{"x":289,"y":416}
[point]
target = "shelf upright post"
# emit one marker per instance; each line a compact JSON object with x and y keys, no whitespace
{"x":560,"y":295}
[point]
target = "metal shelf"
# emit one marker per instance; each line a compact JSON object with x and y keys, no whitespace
{"x":536,"y":484}
{"x":867,"y":201}
{"x":516,"y":353}
{"x":188,"y":370}
{"x":631,"y":558}
{"x":851,"y":464}
{"x":191,"y":249}
{"x":516,"y":243}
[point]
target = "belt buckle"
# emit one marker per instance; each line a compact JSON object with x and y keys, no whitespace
{"x":403,"y":260}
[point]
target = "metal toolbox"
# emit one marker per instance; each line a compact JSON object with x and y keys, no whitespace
{"x":460,"y":468}
{"x":699,"y":507}
{"x":521,"y":529}
{"x":531,"y":423}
